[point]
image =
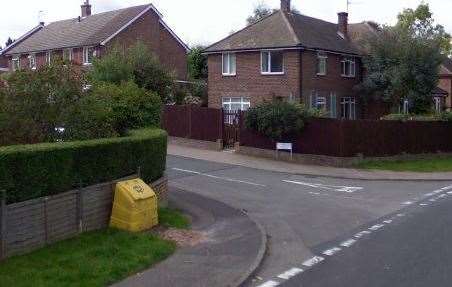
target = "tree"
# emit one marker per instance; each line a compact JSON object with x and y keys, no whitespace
{"x":197,"y":64}
{"x":403,"y":60}
{"x":9,"y":42}
{"x":260,"y":11}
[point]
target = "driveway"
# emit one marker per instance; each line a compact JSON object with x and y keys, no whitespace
{"x":303,"y":215}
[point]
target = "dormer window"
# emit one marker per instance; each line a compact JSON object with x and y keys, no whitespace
{"x":272,"y":63}
{"x":348,"y":67}
{"x":32,"y":61}
{"x":88,"y":55}
{"x":15,"y":63}
{"x":321,"y":63}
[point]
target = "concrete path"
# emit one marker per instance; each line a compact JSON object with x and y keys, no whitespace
{"x":230,"y":157}
{"x":232,"y":249}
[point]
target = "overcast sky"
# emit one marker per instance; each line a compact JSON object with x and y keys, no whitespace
{"x":207,"y":21}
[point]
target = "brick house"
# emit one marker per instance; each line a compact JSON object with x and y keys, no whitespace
{"x":292,"y":57}
{"x":445,"y":82}
{"x":87,"y":36}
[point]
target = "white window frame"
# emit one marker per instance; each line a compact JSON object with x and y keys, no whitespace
{"x":48,"y":57}
{"x":322,"y":61}
{"x":406,"y":106}
{"x":86,"y":50}
{"x":269,"y":62}
{"x":321,"y":103}
{"x":70,"y":53}
{"x":438,"y":104}
{"x":352,"y":62}
{"x":15,"y":63}
{"x":32,"y":61}
{"x":231,"y":63}
{"x":244,"y":102}
{"x":350,"y":103}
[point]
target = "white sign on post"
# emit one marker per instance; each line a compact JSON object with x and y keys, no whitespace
{"x":284,"y":146}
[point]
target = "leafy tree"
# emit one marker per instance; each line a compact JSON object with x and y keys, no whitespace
{"x":197,"y":64}
{"x":111,"y":68}
{"x":403,"y":61}
{"x":9,"y":42}
{"x":260,"y":11}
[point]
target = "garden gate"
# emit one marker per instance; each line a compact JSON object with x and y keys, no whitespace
{"x":231,"y":128}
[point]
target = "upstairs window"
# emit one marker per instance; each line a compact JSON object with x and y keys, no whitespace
{"x":229,"y":64}
{"x":321,"y":64}
{"x":348,"y":67}
{"x":88,"y":55}
{"x":67,"y":55}
{"x":32,"y":61}
{"x":272,"y":62}
{"x":15,"y":63}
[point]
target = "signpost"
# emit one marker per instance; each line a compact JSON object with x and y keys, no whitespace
{"x":286,"y":147}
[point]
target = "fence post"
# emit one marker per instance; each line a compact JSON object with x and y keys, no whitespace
{"x":221,"y":129}
{"x":79,"y":209}
{"x":189,"y":111}
{"x":2,"y":225}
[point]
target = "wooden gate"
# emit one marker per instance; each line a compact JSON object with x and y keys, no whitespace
{"x":231,"y":128}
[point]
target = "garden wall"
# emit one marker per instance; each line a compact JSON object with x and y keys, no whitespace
{"x":32,"y":224}
{"x":370,"y":138}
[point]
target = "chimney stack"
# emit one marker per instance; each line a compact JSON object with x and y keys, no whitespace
{"x":343,"y":23}
{"x":285,"y":5}
{"x":86,"y":9}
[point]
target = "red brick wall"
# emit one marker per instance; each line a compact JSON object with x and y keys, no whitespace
{"x":249,"y":82}
{"x":172,"y":54}
{"x":445,"y":83}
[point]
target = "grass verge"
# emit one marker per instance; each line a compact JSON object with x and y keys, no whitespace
{"x":443,"y":164}
{"x":97,"y":258}
{"x":172,"y":218}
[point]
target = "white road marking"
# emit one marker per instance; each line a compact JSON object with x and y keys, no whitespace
{"x":407,"y":203}
{"x":423,"y":204}
{"x":432,"y":199}
{"x":429,"y":194}
{"x":347,"y":189}
{"x":449,"y":192}
{"x":362,"y":233}
{"x":313,"y":261}
{"x":376,"y":227}
{"x":315,"y":193}
{"x":290,"y":273}
{"x":389,"y":221}
{"x":442,"y":196}
{"x":447,"y":187}
{"x":401,"y":214}
{"x":348,"y":243}
{"x":219,"y":177}
{"x":270,"y":283}
{"x":332,"y":251}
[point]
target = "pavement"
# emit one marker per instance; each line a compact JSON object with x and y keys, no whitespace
{"x":231,"y":250}
{"x":303,"y":215}
{"x":230,"y":157}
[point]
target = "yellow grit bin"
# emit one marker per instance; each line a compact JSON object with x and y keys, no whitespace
{"x":134,"y":206}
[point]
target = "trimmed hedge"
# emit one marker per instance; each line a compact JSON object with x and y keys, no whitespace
{"x":32,"y":171}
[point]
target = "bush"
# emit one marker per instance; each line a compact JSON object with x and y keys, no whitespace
{"x":277,"y":120}
{"x":445,"y":116}
{"x":32,"y":171}
{"x":130,"y":106}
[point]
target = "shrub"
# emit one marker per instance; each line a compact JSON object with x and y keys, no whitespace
{"x":277,"y":120}
{"x":445,"y":116}
{"x":32,"y":171}
{"x":131,"y":106}
{"x":111,"y":68}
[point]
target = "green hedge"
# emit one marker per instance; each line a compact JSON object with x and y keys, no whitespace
{"x":32,"y":171}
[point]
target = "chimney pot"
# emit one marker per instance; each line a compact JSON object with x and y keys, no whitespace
{"x":343,"y":23}
{"x":86,"y":9}
{"x":285,"y":5}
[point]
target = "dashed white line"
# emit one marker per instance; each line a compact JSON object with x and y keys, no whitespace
{"x":348,"y":243}
{"x":269,"y":283}
{"x":218,"y":177}
{"x":423,"y":204}
{"x":313,"y":261}
{"x":362,"y":233}
{"x":376,"y":227}
{"x":449,"y":192}
{"x":290,"y":273}
{"x":332,"y":251}
{"x":401,"y":214}
{"x":407,"y":203}
{"x":389,"y":221}
{"x":346,"y":189}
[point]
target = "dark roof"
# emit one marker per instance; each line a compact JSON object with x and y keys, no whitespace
{"x":438,"y":92}
{"x":91,"y":30}
{"x":448,"y":64}
{"x":281,"y":30}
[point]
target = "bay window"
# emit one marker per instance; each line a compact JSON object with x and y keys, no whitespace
{"x":229,"y":64}
{"x":272,"y":62}
{"x":348,"y":67}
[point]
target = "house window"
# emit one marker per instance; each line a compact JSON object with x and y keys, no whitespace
{"x":321,"y":64}
{"x":236,"y":103}
{"x":325,"y":102}
{"x":406,"y":106}
{"x":348,"y":108}
{"x":88,"y":54}
{"x":348,"y":67}
{"x":229,"y":64}
{"x":32,"y":61}
{"x":272,"y":62}
{"x":438,"y":104}
{"x":67,"y":55}
{"x":15,"y":63}
{"x":320,"y":103}
{"x":49,"y":58}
